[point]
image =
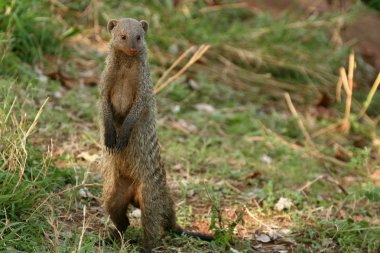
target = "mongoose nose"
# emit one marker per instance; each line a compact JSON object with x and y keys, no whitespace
{"x":132,"y":51}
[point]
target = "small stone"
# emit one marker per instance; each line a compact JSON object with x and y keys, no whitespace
{"x":136,"y":213}
{"x":176,"y":108}
{"x":193,"y":84}
{"x":283,"y":203}
{"x":273,"y":234}
{"x":83,"y":193}
{"x":205,"y":108}
{"x":263,"y":238}
{"x":266,"y":159}
{"x":173,"y":49}
{"x":43,"y":78}
{"x":58,"y":94}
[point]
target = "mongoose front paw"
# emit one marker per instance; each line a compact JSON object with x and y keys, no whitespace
{"x":122,"y":143}
{"x":110,"y":140}
{"x":110,"y":143}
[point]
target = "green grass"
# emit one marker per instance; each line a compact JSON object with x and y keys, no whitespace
{"x":34,"y":30}
{"x":227,"y":169}
{"x":29,"y":178}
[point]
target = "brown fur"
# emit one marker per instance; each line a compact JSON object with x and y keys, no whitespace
{"x":133,"y":171}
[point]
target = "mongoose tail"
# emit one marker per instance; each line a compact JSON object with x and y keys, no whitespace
{"x":204,"y":237}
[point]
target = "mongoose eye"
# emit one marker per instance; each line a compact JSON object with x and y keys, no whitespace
{"x":138,"y":38}
{"x":123,"y":37}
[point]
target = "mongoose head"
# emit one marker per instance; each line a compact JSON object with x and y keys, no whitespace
{"x":128,"y":35}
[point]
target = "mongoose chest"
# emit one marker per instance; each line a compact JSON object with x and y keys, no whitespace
{"x":123,"y":91}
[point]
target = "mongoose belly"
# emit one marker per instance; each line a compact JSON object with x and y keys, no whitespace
{"x":122,"y":98}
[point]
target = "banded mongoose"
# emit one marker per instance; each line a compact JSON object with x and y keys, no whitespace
{"x":133,"y":173}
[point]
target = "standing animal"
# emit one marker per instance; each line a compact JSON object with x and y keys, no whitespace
{"x":133,"y":172}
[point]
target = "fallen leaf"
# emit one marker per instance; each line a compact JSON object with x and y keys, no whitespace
{"x":252,"y":175}
{"x":87,"y":157}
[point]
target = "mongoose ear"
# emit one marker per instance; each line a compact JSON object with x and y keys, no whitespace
{"x":144,"y":25}
{"x":111,"y":25}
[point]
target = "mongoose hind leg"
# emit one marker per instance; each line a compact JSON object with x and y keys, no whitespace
{"x":116,"y":204}
{"x":169,"y":221}
{"x":152,"y":216}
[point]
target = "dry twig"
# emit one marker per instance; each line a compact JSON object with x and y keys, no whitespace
{"x":348,"y":86}
{"x":310,"y":183}
{"x":299,"y":120}
{"x":83,"y":229}
{"x":370,"y":96}
{"x":196,"y":56}
{"x":339,"y":89}
{"x":257,"y":220}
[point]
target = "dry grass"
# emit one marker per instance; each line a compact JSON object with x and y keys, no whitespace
{"x":162,"y":83}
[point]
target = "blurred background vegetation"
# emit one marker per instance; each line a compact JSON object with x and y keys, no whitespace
{"x":263,"y":142}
